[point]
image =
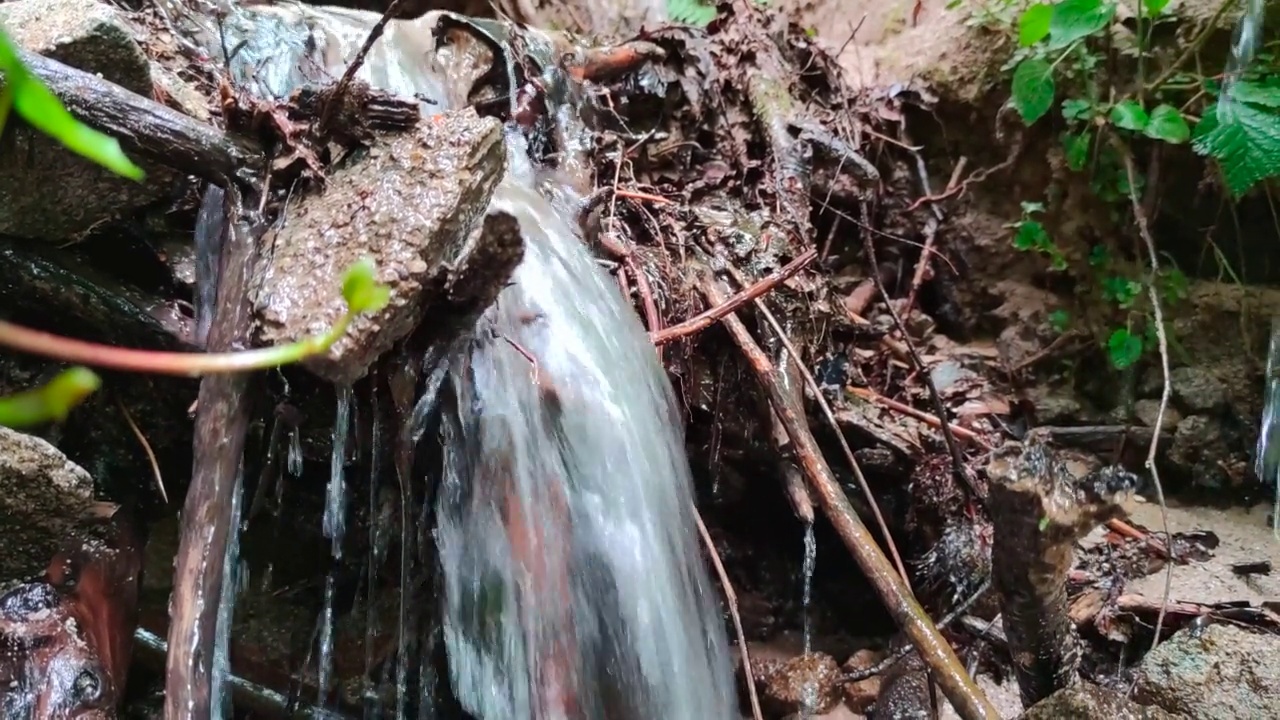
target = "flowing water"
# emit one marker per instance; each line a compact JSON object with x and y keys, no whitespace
{"x":573,"y":582}
{"x":1244,"y":46}
{"x":574,"y":586}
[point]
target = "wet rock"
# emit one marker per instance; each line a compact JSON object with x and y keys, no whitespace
{"x":904,"y":692}
{"x":1198,"y":444}
{"x":806,"y":682}
{"x":42,"y":496}
{"x":46,"y":191}
{"x":412,"y":203}
{"x":66,"y":639}
{"x":1197,"y":391}
{"x":1146,"y":411}
{"x":1086,"y":700}
{"x":859,"y":696}
{"x":1222,"y":672}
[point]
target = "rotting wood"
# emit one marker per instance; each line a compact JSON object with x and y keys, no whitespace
{"x":151,"y":130}
{"x":956,"y":684}
{"x":221,"y":422}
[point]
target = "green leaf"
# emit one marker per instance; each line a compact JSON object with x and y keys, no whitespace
{"x":1154,"y":7}
{"x":1033,"y":89}
{"x":1129,"y":115}
{"x":1245,"y":142}
{"x":1123,"y":348}
{"x":1167,"y":124}
{"x":361,"y":289}
{"x":1265,"y":92}
{"x":50,"y":402}
{"x":1033,"y":26}
{"x":1099,"y":256}
{"x":698,"y":13}
{"x":1059,"y":320}
{"x":1031,"y":235}
{"x":1077,"y":147}
{"x":1076,"y":19}
{"x":39,"y":107}
{"x":1077,"y":109}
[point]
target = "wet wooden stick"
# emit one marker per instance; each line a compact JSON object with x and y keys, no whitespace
{"x":956,"y":684}
{"x":731,"y":599}
{"x":924,"y":417}
{"x":221,"y":423}
{"x":721,"y":309}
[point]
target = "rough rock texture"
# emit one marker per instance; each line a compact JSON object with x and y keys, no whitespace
{"x":411,"y":203}
{"x":42,"y":496}
{"x":1086,"y":700}
{"x":46,"y":191}
{"x":1223,"y":672}
{"x":804,"y":682}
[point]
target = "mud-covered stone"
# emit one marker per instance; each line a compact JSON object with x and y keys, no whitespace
{"x":412,"y":203}
{"x":46,"y":191}
{"x":1222,"y":672}
{"x":42,"y":496}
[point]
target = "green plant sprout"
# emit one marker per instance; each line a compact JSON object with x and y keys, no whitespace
{"x":360,"y":290}
{"x":35,"y":103}
{"x":51,"y":401}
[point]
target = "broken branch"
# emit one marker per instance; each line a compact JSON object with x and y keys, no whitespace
{"x":720,"y":310}
{"x":147,"y":128}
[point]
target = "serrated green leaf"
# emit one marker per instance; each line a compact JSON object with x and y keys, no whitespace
{"x":1154,"y":7}
{"x":1265,"y":92}
{"x":1245,"y":142}
{"x":1167,"y":124}
{"x":1076,"y":19}
{"x":1123,"y":348}
{"x":1033,"y":89}
{"x":1033,"y":25}
{"x":1129,"y":115}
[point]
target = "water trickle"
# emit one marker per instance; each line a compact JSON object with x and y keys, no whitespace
{"x":810,"y":561}
{"x":220,"y":700}
{"x":1268,"y":454}
{"x":1248,"y":38}
{"x":324,"y":661}
{"x":335,"y":506}
{"x":295,"y":453}
{"x":208,"y":245}
{"x":573,"y":583}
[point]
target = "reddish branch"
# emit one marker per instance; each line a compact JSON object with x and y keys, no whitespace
{"x":721,"y":309}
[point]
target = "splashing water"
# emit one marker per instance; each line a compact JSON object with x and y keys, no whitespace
{"x":574,"y":587}
{"x":1247,"y":40}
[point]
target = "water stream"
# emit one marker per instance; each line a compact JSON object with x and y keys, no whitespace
{"x":574,"y":586}
{"x":1244,"y":46}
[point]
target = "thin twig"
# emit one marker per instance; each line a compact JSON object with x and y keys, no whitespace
{"x":957,"y":459}
{"x":835,"y":427}
{"x":1141,"y":218}
{"x":1210,"y":26}
{"x":146,"y":447}
{"x":959,"y":688}
{"x":718,"y":311}
{"x":931,"y":233}
{"x":903,"y":651}
{"x":731,"y":599}
{"x":924,"y":417}
{"x":335,"y":99}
